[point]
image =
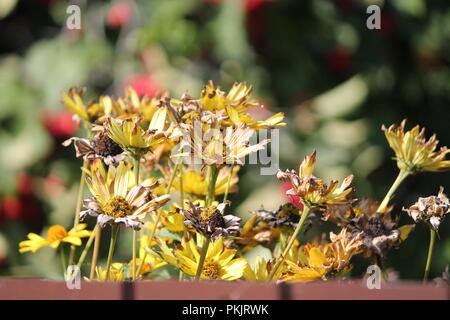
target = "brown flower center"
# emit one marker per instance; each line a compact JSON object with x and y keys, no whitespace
{"x":211,"y":270}
{"x":117,"y":207}
{"x":105,"y":146}
{"x":56,"y":233}
{"x":211,"y":216}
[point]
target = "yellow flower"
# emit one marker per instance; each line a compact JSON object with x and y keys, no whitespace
{"x":261,"y":270}
{"x":220,"y":263}
{"x":216,"y":147}
{"x":114,"y":202}
{"x":413,"y":152}
{"x":55,"y":235}
{"x":195,"y":183}
{"x":312,"y":189}
{"x":173,"y":221}
{"x":253,"y":234}
{"x":130,"y":135}
{"x":131,"y":105}
{"x":92,"y":112}
{"x":116,"y":273}
{"x":235,"y":103}
{"x":319,"y":261}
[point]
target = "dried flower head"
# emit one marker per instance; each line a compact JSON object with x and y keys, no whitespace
{"x":430,"y":210}
{"x":287,"y":215}
{"x":255,"y":233}
{"x":313,"y":190}
{"x":210,"y":220}
{"x":413,"y":152}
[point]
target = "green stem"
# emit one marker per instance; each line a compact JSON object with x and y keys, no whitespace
{"x":97,"y":236}
{"x":137,"y":165}
{"x":158,"y":216}
{"x":181,"y":187}
{"x":305,"y":214}
{"x":202,"y":258}
{"x":77,"y":211}
{"x":63,"y":259}
{"x":112,"y":245}
{"x":430,"y":254}
{"x":227,"y":188}
{"x":402,"y":175}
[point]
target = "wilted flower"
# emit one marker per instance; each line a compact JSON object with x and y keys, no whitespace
{"x":254,"y":233}
{"x":287,"y":215}
{"x":431,"y":209}
{"x":378,"y":232}
{"x":313,"y":190}
{"x":55,"y":235}
{"x":317,"y":261}
{"x":210,"y":220}
{"x":114,"y":203}
{"x":99,"y":147}
{"x":413,"y":152}
{"x":92,"y":112}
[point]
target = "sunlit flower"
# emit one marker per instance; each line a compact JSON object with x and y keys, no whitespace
{"x":91,"y":112}
{"x":210,"y":220}
{"x":99,"y":147}
{"x":216,"y":147}
{"x":413,"y":152}
{"x":116,"y":273}
{"x":220,"y":263}
{"x":312,"y":189}
{"x":430,"y":210}
{"x":321,"y":261}
{"x":255,"y":233}
{"x":195,"y":183}
{"x":261,"y":270}
{"x":56,"y":234}
{"x":113,"y":202}
{"x":130,"y":135}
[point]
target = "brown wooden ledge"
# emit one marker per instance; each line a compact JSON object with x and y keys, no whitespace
{"x":19,"y":289}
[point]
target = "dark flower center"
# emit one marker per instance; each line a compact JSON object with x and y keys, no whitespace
{"x":105,"y":146}
{"x":117,"y":207}
{"x":211,"y":217}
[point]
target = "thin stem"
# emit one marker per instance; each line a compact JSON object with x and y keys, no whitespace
{"x":63,"y":259}
{"x":181,"y":187}
{"x":202,"y":258}
{"x":137,"y":162}
{"x":430,"y":254}
{"x":112,"y":245}
{"x":227,"y":188}
{"x":402,"y":175}
{"x":305,"y":214}
{"x":158,"y":216}
{"x":77,"y":211}
{"x":98,"y":236}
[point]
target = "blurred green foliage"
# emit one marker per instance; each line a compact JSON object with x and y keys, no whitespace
{"x":337,"y":82}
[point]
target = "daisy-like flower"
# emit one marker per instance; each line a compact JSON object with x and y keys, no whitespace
{"x":430,"y":210}
{"x":116,"y":273}
{"x":320,"y":261}
{"x":131,"y":136}
{"x":255,"y":233}
{"x":220,"y":263}
{"x":312,"y":189}
{"x":260,"y":271}
{"x":218,"y":147}
{"x":413,"y":152}
{"x":235,"y":103}
{"x":56,"y":234}
{"x":210,"y":220}
{"x":288,"y":215}
{"x":99,"y":147}
{"x":92,"y":112}
{"x":113,"y":202}
{"x":196,"y":184}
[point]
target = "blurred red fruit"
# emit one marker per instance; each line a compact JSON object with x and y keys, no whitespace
{"x":119,"y":14}
{"x":143,"y":84}
{"x":53,"y":185}
{"x":11,"y":207}
{"x":60,"y":124}
{"x":338,"y":59}
{"x":249,"y":4}
{"x":24,"y":184}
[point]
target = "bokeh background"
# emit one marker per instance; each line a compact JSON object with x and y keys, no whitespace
{"x":315,"y":60}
